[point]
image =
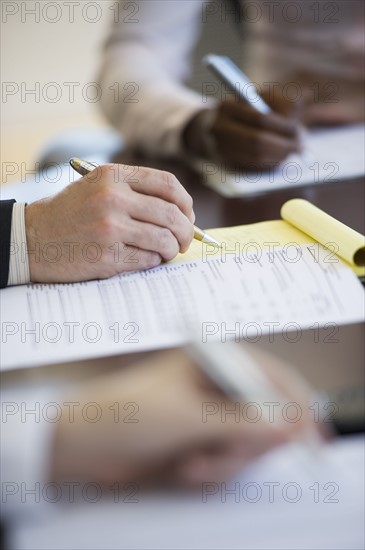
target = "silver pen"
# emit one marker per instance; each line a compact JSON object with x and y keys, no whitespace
{"x":239,"y":376}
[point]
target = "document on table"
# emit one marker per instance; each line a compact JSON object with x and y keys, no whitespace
{"x":335,"y":154}
{"x":228,"y":296}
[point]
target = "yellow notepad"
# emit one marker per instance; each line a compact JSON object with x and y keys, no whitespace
{"x":301,"y":223}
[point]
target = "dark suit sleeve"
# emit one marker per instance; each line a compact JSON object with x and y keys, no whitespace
{"x":6,"y":211}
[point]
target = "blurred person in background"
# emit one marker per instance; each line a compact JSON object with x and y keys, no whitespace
{"x":160,"y":422}
{"x":306,"y":58}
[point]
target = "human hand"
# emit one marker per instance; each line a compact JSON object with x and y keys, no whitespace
{"x":115,"y":219}
{"x":171,"y":426}
{"x":244,"y":138}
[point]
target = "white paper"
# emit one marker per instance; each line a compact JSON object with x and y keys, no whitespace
{"x":334,"y":154}
{"x":231,"y":296}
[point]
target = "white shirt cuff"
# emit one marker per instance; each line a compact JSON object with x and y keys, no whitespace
{"x":18,"y":262}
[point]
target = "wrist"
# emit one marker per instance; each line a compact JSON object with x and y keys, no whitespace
{"x":33,"y":217}
{"x":198,"y":137}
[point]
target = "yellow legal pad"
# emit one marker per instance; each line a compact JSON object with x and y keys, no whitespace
{"x":302,"y":223}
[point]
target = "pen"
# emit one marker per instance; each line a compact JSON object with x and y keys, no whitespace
{"x":237,"y":81}
{"x":83,"y":167}
{"x":237,"y":374}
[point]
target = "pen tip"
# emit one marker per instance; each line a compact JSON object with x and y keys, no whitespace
{"x":75,"y":162}
{"x":209,"y":240}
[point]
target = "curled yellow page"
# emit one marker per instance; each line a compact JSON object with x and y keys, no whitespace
{"x":303,"y":224}
{"x":326,"y":230}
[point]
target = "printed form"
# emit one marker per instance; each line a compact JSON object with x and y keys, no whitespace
{"x":233,"y":296}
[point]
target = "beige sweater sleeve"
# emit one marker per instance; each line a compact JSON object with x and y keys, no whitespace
{"x":145,"y":64}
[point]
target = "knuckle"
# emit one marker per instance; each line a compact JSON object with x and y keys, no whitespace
{"x":126,"y":200}
{"x":189,"y":202}
{"x":150,"y":259}
{"x":164,"y":235}
{"x":106,"y":229}
{"x":103,"y":174}
{"x":105,"y":198}
{"x":186,"y":238}
{"x":117,"y":173}
{"x":133,"y":235}
{"x":172,"y":213}
{"x":143,"y":173}
{"x":105,"y":170}
{"x":168,"y":244}
{"x":125,"y":174}
{"x":170,"y":181}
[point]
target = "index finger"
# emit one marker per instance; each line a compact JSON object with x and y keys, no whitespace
{"x":164,"y":185}
{"x":247,"y":115}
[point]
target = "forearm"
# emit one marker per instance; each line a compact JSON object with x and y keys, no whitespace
{"x":142,"y":77}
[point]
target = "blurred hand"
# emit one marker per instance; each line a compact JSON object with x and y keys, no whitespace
{"x":245,"y":138}
{"x":115,"y":219}
{"x":170,"y":426}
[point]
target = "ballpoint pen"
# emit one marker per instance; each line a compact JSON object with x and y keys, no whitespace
{"x":83,"y":167}
{"x":239,"y":376}
{"x":238,"y":82}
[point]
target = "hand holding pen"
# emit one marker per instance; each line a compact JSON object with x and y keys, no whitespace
{"x":248,"y":375}
{"x":200,"y":421}
{"x":116,"y":220}
{"x":245,"y":131}
{"x":83,"y":167}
